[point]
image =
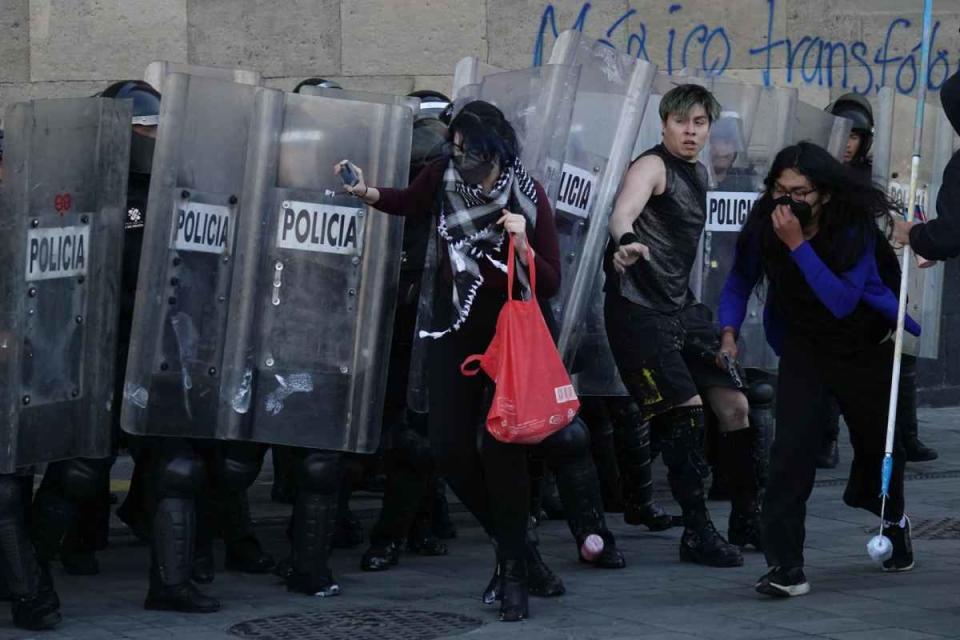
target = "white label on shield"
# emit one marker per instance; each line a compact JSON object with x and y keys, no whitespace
{"x":576,"y":191}
{"x":727,"y":210}
{"x":324,"y":228}
{"x":201,"y":227}
{"x":59,"y":252}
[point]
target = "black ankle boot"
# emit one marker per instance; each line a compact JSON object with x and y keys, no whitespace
{"x":35,"y":613}
{"x":609,"y":558}
{"x":704,"y":545}
{"x":514,"y":605}
{"x":423,"y":540}
{"x":381,"y":556}
{"x":652,"y":516}
{"x":184,"y":598}
{"x":492,"y":592}
{"x":542,"y":582}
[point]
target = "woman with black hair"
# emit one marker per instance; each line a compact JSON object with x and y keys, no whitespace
{"x":813,"y":237}
{"x":478,"y":191}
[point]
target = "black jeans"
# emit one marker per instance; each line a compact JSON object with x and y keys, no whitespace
{"x":490,"y":477}
{"x":861,"y":386}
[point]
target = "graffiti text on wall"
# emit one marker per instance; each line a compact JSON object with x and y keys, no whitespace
{"x":808,"y":58}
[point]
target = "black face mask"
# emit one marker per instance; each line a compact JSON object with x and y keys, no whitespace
{"x":801,"y":209}
{"x":141,"y":154}
{"x":473,"y":171}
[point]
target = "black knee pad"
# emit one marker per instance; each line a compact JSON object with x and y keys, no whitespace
{"x":760,"y":393}
{"x":181,"y":476}
{"x":83,"y":477}
{"x":570,"y":442}
{"x":320,"y":472}
{"x":11,"y":496}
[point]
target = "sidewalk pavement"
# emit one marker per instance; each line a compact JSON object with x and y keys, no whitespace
{"x":656,"y":597}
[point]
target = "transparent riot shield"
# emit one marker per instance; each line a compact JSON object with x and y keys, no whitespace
{"x":608,"y":108}
{"x":925,"y":284}
{"x":62,"y":211}
{"x":157,"y":71}
{"x":174,"y":367}
{"x":316,"y":271}
{"x":812,"y":124}
{"x":742,"y":145}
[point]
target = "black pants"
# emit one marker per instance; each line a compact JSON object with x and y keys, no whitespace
{"x":861,"y":386}
{"x":489,"y":477}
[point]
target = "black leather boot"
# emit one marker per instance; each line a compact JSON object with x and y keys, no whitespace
{"x":680,"y":432}
{"x":514,"y":605}
{"x":632,"y":437}
{"x":915,"y":450}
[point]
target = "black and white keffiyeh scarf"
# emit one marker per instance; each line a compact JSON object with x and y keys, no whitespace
{"x":468,"y":224}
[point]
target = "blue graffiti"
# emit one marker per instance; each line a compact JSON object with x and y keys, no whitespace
{"x":810,"y":59}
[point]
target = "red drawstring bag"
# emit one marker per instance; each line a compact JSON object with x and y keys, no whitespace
{"x":534,"y":397}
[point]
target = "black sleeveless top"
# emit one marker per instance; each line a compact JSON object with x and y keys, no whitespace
{"x":670,"y":225}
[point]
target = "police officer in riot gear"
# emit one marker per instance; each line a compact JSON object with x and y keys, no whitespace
{"x":856,"y":108}
{"x":411,"y":477}
{"x":83,"y":485}
{"x":27,"y":580}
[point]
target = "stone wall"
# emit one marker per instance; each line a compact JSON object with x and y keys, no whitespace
{"x":54,"y":48}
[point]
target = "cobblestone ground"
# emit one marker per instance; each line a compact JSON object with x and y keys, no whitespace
{"x":655,"y":597}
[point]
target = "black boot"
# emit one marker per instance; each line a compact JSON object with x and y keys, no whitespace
{"x":603,"y":447}
{"x":174,"y":531}
{"x":550,"y":502}
{"x":568,"y":452}
{"x":35,"y":603}
{"x":542,"y":582}
{"x":680,"y":432}
{"x":632,"y":436}
{"x":915,"y":450}
{"x":737,"y":449}
{"x":422,"y":539}
{"x":514,"y":605}
{"x":380,"y":556}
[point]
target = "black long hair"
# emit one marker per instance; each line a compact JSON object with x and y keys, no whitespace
{"x":486,"y":131}
{"x":848,"y":219}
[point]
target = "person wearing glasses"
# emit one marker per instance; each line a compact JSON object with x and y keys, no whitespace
{"x":830,"y":313}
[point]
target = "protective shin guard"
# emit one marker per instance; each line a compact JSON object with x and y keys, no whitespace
{"x":174,"y":536}
{"x":20,"y":569}
{"x":632,"y":436}
{"x":314,"y":518}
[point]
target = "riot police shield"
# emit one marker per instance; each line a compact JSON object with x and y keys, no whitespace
{"x":174,"y":368}
{"x":157,"y":71}
{"x":61,"y":240}
{"x":812,"y":124}
{"x":316,"y":272}
{"x":608,"y":108}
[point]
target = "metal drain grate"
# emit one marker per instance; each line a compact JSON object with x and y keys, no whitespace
{"x":357,"y":624}
{"x":936,"y":529}
{"x":907,"y":477}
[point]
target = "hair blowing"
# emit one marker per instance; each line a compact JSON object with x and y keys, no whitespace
{"x":850,"y":209}
{"x":486,"y":131}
